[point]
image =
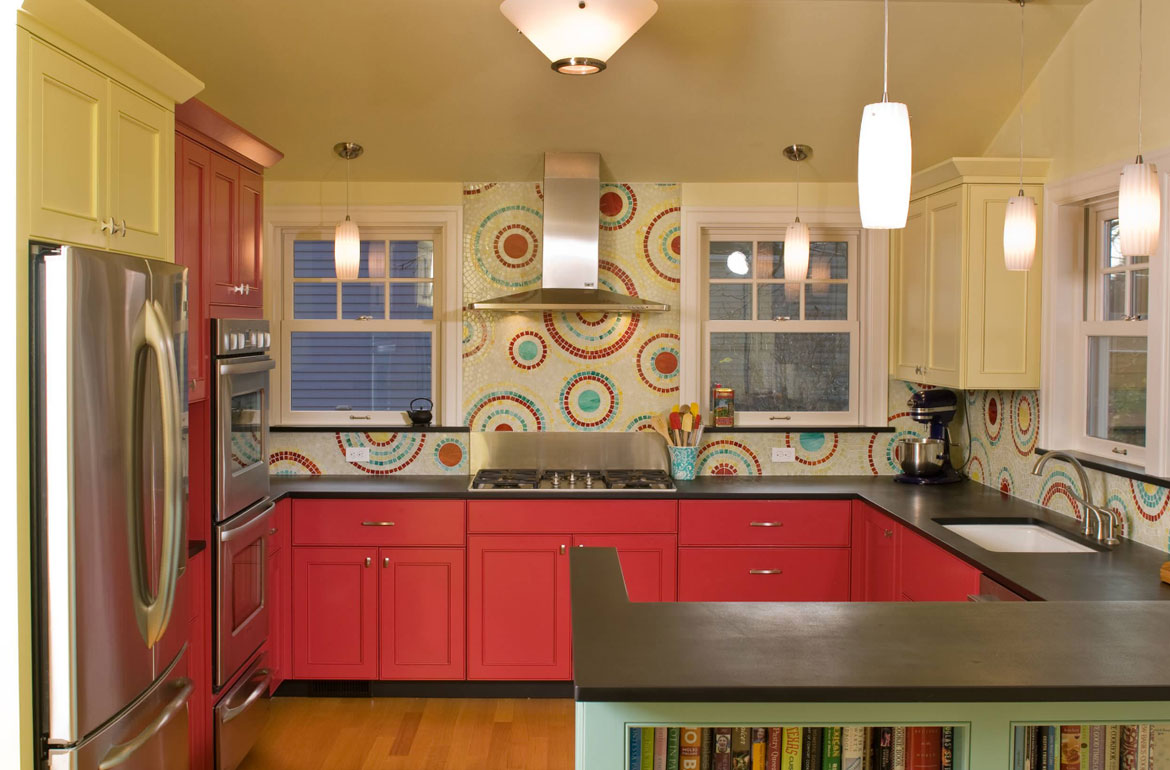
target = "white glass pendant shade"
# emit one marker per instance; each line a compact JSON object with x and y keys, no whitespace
{"x":1139,"y":210}
{"x":578,"y":36}
{"x":347,"y":250}
{"x":796,"y":241}
{"x":737,"y":263}
{"x":1019,"y":233}
{"x":883,"y":166}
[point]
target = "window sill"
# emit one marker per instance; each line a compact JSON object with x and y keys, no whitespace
{"x":801,"y":429}
{"x":352,"y":428}
{"x":1115,"y":467}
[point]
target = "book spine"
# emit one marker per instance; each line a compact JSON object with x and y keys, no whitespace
{"x":1030,"y":748}
{"x":741,"y":748}
{"x":852,"y":747}
{"x":814,"y":738}
{"x":775,"y":747}
{"x":923,"y":748}
{"x":1129,"y":739}
{"x":690,"y":743}
{"x":1159,"y":746}
{"x":705,"y":749}
{"x":1017,"y":748}
{"x":1143,"y":748}
{"x":647,"y":748}
{"x":1043,"y":748}
{"x":672,"y":748}
{"x":1070,"y":747}
{"x":831,"y":753}
{"x":792,"y":749}
{"x":885,"y":748}
{"x":1097,"y":747}
{"x":721,"y":751}
{"x":1112,"y":747}
{"x":635,"y":748}
{"x":759,"y":747}
{"x":947,"y":748}
{"x":659,"y":748}
{"x":899,"y":748}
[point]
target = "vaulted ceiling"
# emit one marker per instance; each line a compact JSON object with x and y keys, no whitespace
{"x":708,"y":90}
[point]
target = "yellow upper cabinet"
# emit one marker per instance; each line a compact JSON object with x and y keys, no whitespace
{"x":959,"y":319}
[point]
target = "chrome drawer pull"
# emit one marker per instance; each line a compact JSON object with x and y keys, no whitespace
{"x":766,"y":524}
{"x":377,"y":524}
{"x":765,"y":572}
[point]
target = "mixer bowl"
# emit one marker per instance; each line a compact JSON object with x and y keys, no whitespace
{"x":921,"y":456}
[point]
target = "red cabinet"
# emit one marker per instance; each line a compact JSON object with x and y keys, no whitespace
{"x":764,"y":522}
{"x":649,"y":563}
{"x":421,"y":595}
{"x":763,"y":574}
{"x":278,"y":593}
{"x":192,"y":237}
{"x":234,"y":270}
{"x":199,"y":664}
{"x":518,"y":619}
{"x":927,"y":573}
{"x":335,"y":613}
{"x":876,"y":538}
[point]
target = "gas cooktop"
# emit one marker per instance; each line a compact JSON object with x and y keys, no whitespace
{"x":571,"y":480}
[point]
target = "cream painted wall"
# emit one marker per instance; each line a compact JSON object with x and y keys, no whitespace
{"x":812,"y":194}
{"x":278,"y":193}
{"x":1081,"y":110}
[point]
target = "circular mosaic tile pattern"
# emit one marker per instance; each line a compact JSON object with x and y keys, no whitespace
{"x":727,"y":457}
{"x":594,"y":336}
{"x":979,"y":468}
{"x":292,"y":464}
{"x":639,"y":423}
{"x":882,"y":447}
{"x":476,"y":189}
{"x":658,"y":362}
{"x":505,"y":247}
{"x":662,"y":244}
{"x":245,"y":449}
{"x":505,"y":410}
{"x":527,"y":350}
{"x":1151,"y":501}
{"x":1005,"y":483}
{"x":618,"y":205}
{"x":813,"y":449}
{"x":993,"y":416}
{"x":1057,"y":493}
{"x":1025,"y":421}
{"x":389,"y":452}
{"x":589,"y":400}
{"x":477,"y":333}
{"x":449,"y":454}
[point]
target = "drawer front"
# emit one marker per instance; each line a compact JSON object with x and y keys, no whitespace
{"x":764,"y":522}
{"x":763,"y":574}
{"x":378,"y":522}
{"x":582,"y":516}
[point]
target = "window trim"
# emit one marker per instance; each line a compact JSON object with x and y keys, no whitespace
{"x":871,"y":304}
{"x":447,"y":375}
{"x":1062,"y":408}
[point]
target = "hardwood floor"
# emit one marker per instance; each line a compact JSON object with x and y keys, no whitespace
{"x":415,"y":733}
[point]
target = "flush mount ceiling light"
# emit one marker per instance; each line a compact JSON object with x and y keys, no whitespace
{"x":796,"y":237}
{"x":1019,"y":222}
{"x":347,"y":239}
{"x":884,"y":155}
{"x":1139,"y":205}
{"x":578,"y":36}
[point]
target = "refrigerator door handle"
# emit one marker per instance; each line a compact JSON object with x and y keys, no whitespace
{"x":123,"y":752}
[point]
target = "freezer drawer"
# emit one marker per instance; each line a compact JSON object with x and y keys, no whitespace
{"x":150,"y":734}
{"x":241,"y":715}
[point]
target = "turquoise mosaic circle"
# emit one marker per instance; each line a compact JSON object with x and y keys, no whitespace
{"x":589,"y":401}
{"x":812,"y":441}
{"x":527,"y":350}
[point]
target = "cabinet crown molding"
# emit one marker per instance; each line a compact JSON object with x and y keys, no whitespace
{"x":977,"y":170}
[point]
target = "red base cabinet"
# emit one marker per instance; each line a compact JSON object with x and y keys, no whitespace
{"x":519,"y":624}
{"x":876,"y":538}
{"x":649,"y":563}
{"x":928,"y":573}
{"x":763,"y":574}
{"x":335,"y":612}
{"x":421,"y":595}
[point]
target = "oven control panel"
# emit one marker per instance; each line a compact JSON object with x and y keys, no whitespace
{"x":240,"y":337}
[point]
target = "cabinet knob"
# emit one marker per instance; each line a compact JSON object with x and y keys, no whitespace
{"x":888,"y":533}
{"x":108,"y":227}
{"x":386,"y":561}
{"x":562,"y":548}
{"x":238,"y":289}
{"x":369,"y":561}
{"x":272,"y":531}
{"x":123,"y":228}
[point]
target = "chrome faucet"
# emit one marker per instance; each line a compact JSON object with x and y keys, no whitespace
{"x":1106,"y":521}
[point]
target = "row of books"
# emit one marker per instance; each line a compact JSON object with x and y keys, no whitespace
{"x":1091,"y":747}
{"x":792,"y":748}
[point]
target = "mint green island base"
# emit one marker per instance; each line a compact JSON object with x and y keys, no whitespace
{"x":983,"y":668}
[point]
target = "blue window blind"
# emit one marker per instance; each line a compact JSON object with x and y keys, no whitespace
{"x":361,"y":371}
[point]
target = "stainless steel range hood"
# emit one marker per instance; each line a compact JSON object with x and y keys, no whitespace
{"x":572,"y":181}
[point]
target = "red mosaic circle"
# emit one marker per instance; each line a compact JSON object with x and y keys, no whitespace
{"x":659,"y":246}
{"x":657,"y":363}
{"x":515,"y":246}
{"x":450,"y":454}
{"x":295,"y":457}
{"x":611,"y":204}
{"x":528,"y":350}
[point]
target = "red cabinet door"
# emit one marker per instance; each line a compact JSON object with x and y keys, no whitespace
{"x":763,"y":574}
{"x":274,"y":594}
{"x":335,"y":613}
{"x":928,"y":573}
{"x":199,"y":663}
{"x":248,"y":268}
{"x":875,"y":556}
{"x":192,"y":244}
{"x":224,"y":200}
{"x":421,"y":620}
{"x":518,"y":619}
{"x":649,"y":563}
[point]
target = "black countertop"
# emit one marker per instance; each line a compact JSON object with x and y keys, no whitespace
{"x":1128,"y":572}
{"x":838,"y":652}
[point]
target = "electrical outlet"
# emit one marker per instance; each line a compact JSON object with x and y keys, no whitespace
{"x":783,"y":454}
{"x":357,"y":454}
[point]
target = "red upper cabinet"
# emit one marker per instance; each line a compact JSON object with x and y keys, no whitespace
{"x":225,"y":232}
{"x":335,"y":613}
{"x":875,"y":556}
{"x":927,"y":573}
{"x":649,"y":563}
{"x":519,"y":624}
{"x":421,"y":596}
{"x":192,"y":238}
{"x":249,"y":268}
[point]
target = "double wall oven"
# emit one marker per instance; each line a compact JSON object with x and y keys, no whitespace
{"x":242,"y":513}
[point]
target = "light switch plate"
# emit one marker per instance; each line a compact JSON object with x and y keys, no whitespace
{"x":357,"y":454}
{"x":783,"y":454}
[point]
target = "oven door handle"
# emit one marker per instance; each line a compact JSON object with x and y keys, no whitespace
{"x":247,"y":367}
{"x":263,"y":680}
{"x":246,"y":524}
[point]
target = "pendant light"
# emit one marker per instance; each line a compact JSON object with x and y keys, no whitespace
{"x":578,"y":36}
{"x":347,"y":239}
{"x":796,"y":238}
{"x":884,"y":156}
{"x":1019,"y":222}
{"x":1139,"y":207}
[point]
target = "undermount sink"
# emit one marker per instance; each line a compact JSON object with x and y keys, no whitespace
{"x":1017,"y":538}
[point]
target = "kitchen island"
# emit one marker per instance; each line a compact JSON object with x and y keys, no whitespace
{"x":981,"y":667}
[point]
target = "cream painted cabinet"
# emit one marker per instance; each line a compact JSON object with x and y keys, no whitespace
{"x":959,"y":318}
{"x":100,"y":158}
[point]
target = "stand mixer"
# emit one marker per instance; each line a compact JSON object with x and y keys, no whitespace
{"x":928,"y":460}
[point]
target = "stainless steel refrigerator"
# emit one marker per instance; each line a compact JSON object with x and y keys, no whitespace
{"x":109,"y":418}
